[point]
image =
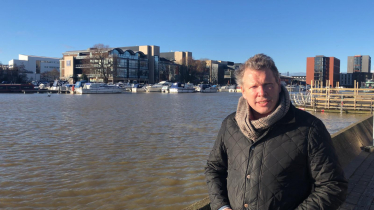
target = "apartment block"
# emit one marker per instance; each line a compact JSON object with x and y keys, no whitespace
{"x":33,"y":66}
{"x":358,"y":63}
{"x":140,"y":63}
{"x":320,"y":68}
{"x":182,"y":58}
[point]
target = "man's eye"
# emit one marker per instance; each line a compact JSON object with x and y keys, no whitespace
{"x":269,"y":85}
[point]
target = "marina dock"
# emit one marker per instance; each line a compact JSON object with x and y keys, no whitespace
{"x":338,"y":99}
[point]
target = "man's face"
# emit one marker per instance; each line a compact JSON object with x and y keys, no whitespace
{"x":261,"y":90}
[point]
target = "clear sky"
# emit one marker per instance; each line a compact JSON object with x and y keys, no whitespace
{"x":288,"y":31}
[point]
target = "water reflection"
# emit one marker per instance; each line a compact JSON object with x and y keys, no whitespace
{"x":127,"y":151}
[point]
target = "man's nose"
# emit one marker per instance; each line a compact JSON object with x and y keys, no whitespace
{"x":261,"y":91}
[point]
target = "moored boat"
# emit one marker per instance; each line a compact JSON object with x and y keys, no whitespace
{"x":16,"y":88}
{"x":181,"y":88}
{"x":238,"y":89}
{"x":157,"y":87}
{"x":231,"y":88}
{"x":137,"y":88}
{"x":165,"y":89}
{"x":205,"y":88}
{"x":97,"y":88}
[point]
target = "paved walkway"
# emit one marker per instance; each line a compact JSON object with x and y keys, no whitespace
{"x":360,"y":174}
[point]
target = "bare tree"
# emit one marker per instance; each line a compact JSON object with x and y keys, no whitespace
{"x":100,"y":62}
{"x":198,"y":70}
{"x":50,"y":75}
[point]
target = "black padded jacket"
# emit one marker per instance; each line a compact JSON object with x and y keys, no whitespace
{"x":292,"y":166}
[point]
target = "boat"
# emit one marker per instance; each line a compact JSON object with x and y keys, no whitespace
{"x":44,"y":86}
{"x":238,"y":89}
{"x":368,"y":86}
{"x":17,"y":88}
{"x":232,"y":88}
{"x":224,"y":88}
{"x":157,"y":87}
{"x":127,"y":86}
{"x":59,"y":85}
{"x":97,"y":88}
{"x":181,"y":88}
{"x":137,"y":88}
{"x":165,"y":89}
{"x":80,"y":84}
{"x":205,"y":88}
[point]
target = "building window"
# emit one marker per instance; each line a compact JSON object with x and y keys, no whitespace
{"x":156,"y":73}
{"x":37,"y":69}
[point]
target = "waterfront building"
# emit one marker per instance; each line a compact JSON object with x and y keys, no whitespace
{"x":148,"y":64}
{"x":179,"y":57}
{"x":319,"y":69}
{"x":218,"y":72}
{"x":134,"y":63}
{"x":173,"y":65}
{"x":222,"y":72}
{"x":285,"y":80}
{"x":4,"y":66}
{"x":34,"y":66}
{"x":8,"y":75}
{"x":229,"y":77}
{"x":169,"y":70}
{"x":144,"y":64}
{"x":299,"y":78}
{"x":348,"y":79}
{"x":358,"y":63}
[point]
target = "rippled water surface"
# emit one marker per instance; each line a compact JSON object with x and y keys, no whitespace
{"x":120,"y":151}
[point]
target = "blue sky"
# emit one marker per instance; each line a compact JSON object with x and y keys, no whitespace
{"x":288,"y":31}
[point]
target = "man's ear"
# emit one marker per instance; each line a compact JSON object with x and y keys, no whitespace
{"x":241,"y":88}
{"x":280,"y":85}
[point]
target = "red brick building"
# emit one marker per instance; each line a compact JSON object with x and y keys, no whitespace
{"x":321,"y":68}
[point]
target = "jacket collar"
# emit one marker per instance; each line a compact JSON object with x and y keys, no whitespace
{"x":289,"y":117}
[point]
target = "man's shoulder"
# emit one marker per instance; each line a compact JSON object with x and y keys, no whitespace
{"x":304,"y":117}
{"x":230,"y":117}
{"x":229,"y":120}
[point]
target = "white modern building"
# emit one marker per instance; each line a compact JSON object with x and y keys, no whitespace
{"x":33,"y":66}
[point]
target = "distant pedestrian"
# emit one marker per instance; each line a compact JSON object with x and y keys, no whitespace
{"x":269,"y":154}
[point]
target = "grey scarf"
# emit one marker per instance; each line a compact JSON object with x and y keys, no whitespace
{"x":253,"y":129}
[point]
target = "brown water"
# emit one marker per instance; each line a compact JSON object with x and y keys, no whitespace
{"x":126,"y":151}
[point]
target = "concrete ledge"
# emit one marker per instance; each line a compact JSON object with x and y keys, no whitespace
{"x":200,"y":205}
{"x":349,"y":141}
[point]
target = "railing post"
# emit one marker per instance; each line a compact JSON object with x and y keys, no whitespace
{"x":341,"y":105}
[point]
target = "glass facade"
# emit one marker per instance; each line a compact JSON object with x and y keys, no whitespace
{"x":156,"y":72}
{"x":118,"y":64}
{"x":37,"y":69}
{"x":143,"y":68}
{"x":318,"y":68}
{"x":321,"y":66}
{"x":357,"y":64}
{"x":129,"y":65}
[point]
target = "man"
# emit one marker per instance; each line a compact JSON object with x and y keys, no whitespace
{"x":269,"y":154}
